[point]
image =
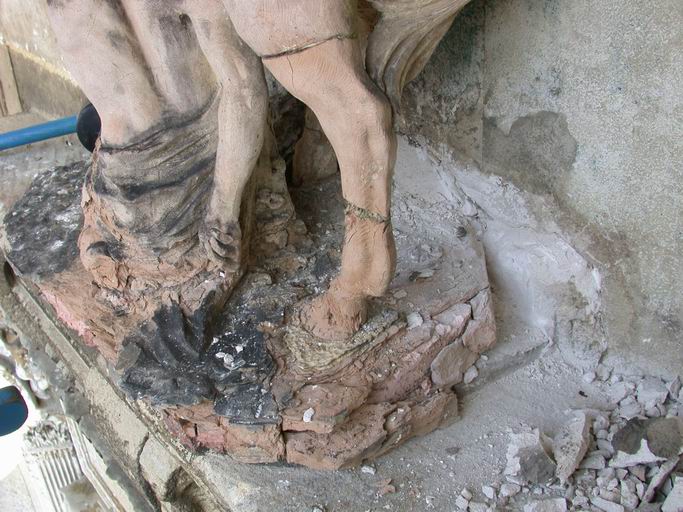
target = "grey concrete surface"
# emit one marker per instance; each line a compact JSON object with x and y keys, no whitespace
{"x":14,"y":494}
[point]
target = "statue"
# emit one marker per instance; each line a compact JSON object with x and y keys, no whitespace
{"x":173,"y":191}
{"x":157,"y":71}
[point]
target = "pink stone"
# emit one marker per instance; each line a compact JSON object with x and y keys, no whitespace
{"x":450,"y":365}
{"x":480,"y":334}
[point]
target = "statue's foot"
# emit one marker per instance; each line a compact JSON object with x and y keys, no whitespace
{"x":334,"y":315}
{"x":368,"y":255}
{"x":222,"y":242}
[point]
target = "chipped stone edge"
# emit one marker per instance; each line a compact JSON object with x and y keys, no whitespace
{"x":31,"y":319}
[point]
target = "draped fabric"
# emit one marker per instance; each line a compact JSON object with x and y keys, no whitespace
{"x":404,"y":39}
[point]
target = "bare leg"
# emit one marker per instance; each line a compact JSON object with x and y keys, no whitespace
{"x":356,"y":117}
{"x":241,"y":126}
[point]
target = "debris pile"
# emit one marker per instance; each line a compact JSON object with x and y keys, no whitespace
{"x":623,"y":459}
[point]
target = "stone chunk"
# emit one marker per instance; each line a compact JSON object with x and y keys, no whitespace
{"x":480,"y":334}
{"x":471,"y":374}
{"x":507,"y":490}
{"x":323,"y":405}
{"x":448,"y":368}
{"x":652,"y":391}
{"x":593,"y":461}
{"x":414,"y":320}
{"x":462,"y":503}
{"x":555,"y":505}
{"x":659,"y":479}
{"x":606,"y":505}
{"x":488,"y":491}
{"x":528,"y":457}
{"x":570,"y":446}
{"x":647,"y":441}
{"x":353,"y":442}
{"x":674,"y":501}
{"x":674,"y":388}
{"x":455,"y":318}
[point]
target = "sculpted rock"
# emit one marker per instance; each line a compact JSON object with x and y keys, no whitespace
{"x":451,"y":364}
{"x":176,"y":251}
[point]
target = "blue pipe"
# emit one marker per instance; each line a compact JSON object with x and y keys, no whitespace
{"x":38,"y":132}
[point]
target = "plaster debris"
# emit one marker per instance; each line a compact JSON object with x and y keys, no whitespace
{"x":659,"y":479}
{"x":478,"y":507}
{"x":554,"y":505}
{"x":603,"y":372}
{"x":469,"y":210}
{"x":489,"y":492}
{"x":308,"y":415}
{"x":618,"y":465}
{"x":528,"y":457}
{"x":674,"y":388}
{"x":629,"y":408}
{"x":674,"y":501}
{"x":462,"y":503}
{"x":589,"y":377}
{"x":414,"y":320}
{"x":652,"y":391}
{"x":471,"y":374}
{"x":620,"y":390}
{"x":593,"y":461}
{"x":570,"y":445}
{"x":508,"y":490}
{"x":368,"y":470}
{"x":606,"y":505}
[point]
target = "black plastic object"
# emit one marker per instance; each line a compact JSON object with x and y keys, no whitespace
{"x":13,"y":410}
{"x":88,"y":127}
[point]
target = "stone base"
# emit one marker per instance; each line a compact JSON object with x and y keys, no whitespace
{"x":254,"y":385}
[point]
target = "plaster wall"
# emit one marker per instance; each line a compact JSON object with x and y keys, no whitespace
{"x":581,"y":111}
{"x":583,"y":102}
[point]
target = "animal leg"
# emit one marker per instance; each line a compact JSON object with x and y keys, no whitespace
{"x":242,"y":122}
{"x":357,"y":119}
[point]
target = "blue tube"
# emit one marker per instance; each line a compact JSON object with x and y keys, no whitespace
{"x":38,"y":132}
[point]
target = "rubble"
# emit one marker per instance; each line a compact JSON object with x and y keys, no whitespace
{"x":652,"y":391}
{"x":368,"y":470}
{"x":659,"y":479}
{"x":528,"y":457}
{"x":462,"y":503}
{"x":606,"y":505}
{"x":508,"y":490}
{"x":570,"y":445}
{"x":478,"y":507}
{"x":613,"y":460}
{"x":414,"y":320}
{"x":471,"y":374}
{"x":674,"y":501}
{"x":489,"y":492}
{"x":555,"y":505}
